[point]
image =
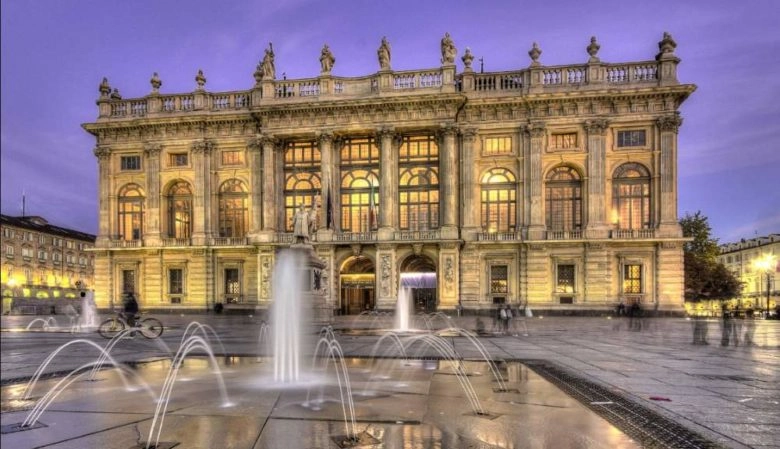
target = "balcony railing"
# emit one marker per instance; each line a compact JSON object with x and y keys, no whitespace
{"x":564,"y":235}
{"x":176,"y":242}
{"x":430,"y":234}
{"x":632,"y":234}
{"x":229,"y":241}
{"x":121,"y":243}
{"x":498,"y":236}
{"x":354,"y":236}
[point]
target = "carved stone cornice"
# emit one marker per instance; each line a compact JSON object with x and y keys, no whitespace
{"x":205,"y":146}
{"x":536,"y":130}
{"x":152,"y":149}
{"x":596,"y":127}
{"x":102,"y":153}
{"x":669,"y":123}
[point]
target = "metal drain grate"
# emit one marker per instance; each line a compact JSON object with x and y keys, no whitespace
{"x":649,"y":428}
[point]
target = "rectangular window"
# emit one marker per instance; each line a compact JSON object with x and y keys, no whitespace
{"x":29,"y":236}
{"x":232,"y":286}
{"x":631,"y":138}
{"x":41,"y":239}
{"x":499,"y":279}
{"x":83,"y":261}
{"x":176,"y":281}
{"x":565,"y":279}
{"x":130,"y":163}
{"x":70,"y":244}
{"x":9,"y":251}
{"x":27,"y":252}
{"x":128,"y":281}
{"x":233,"y":157}
{"x":497,"y":145}
{"x":563,"y":141}
{"x":42,"y":255}
{"x":56,"y":242}
{"x":632,"y":279}
{"x":8,"y":233}
{"x":178,"y":159}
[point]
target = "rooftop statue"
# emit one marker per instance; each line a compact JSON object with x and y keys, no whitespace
{"x":448,"y":50}
{"x":267,"y":65}
{"x":383,"y":53}
{"x":326,"y":59}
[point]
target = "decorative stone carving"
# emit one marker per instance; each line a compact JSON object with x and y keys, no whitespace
{"x":534,"y":53}
{"x":357,"y":248}
{"x":265,"y":276}
{"x":325,"y":136}
{"x":666,"y":46}
{"x":448,"y":50}
{"x":115,"y":95}
{"x":467,"y":59}
{"x":536,"y":130}
{"x":254,"y":144}
{"x":469,"y":134}
{"x":417,"y":248}
{"x":326,"y":59}
{"x":152,"y":149}
{"x":669,"y":123}
{"x":156,"y":82}
{"x":104,"y":88}
{"x":449,"y":271}
{"x":385,"y":274}
{"x":200,"y":80}
{"x":203,"y":146}
{"x":383,"y":54}
{"x":593,"y":50}
{"x":102,"y":153}
{"x":596,"y":127}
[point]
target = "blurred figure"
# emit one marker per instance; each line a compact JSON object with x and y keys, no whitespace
{"x":635,"y":317}
{"x":727,"y":328}
{"x":130,"y":308}
{"x":699,"y":330}
{"x":750,"y":326}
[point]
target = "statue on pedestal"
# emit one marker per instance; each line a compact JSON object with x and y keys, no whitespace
{"x":301,"y":225}
{"x":383,"y":53}
{"x":327,"y":59}
{"x":267,"y":65}
{"x":448,"y":50}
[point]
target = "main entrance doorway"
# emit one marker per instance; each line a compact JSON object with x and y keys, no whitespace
{"x":418,"y":274}
{"x":357,"y":286}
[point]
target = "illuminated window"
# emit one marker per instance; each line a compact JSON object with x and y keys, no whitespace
{"x":632,"y":278}
{"x":631,"y":196}
{"x":232,"y":285}
{"x":497,"y":145}
{"x":564,"y":199}
{"x":233,"y":212}
{"x":499,"y":283}
{"x":130,"y":163}
{"x":128,"y":281}
{"x":131,"y":213}
{"x":178,"y":159}
{"x":498,"y":192}
{"x":302,"y":185}
{"x":180,"y":210}
{"x":233,"y":157}
{"x":562,"y":141}
{"x":418,"y":181}
{"x":359,"y":185}
{"x":27,"y":252}
{"x":565,"y":278}
{"x":631,"y":138}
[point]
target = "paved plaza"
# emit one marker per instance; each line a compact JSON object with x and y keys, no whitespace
{"x":729,"y":395}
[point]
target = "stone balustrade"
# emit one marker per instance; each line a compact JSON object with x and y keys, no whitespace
{"x":530,"y":81}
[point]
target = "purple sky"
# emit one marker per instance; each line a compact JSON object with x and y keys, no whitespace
{"x":55,"y":52}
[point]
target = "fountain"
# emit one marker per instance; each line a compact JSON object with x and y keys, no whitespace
{"x":403,"y":309}
{"x":88,"y":320}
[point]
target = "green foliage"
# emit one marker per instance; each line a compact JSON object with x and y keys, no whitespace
{"x":705,"y":277}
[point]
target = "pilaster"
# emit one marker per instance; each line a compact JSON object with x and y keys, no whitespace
{"x":201,"y":164}
{"x":265,"y":263}
{"x":536,"y":132}
{"x":153,"y":228}
{"x":668,"y":127}
{"x":449,"y":276}
{"x":470,"y":209}
{"x":103,"y":155}
{"x":270,"y":144}
{"x":387,"y":277}
{"x":255,"y":147}
{"x":448,"y":182}
{"x":388,"y":183}
{"x":597,"y":226}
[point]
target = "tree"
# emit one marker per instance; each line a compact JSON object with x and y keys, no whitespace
{"x":705,"y":277}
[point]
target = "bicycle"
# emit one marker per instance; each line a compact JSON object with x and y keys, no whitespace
{"x":148,"y":327}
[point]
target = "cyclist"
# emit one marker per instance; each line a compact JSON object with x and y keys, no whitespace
{"x":130,"y":308}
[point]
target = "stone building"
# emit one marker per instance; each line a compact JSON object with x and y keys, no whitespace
{"x":756,"y":262}
{"x":43,"y":265}
{"x":551,"y":185}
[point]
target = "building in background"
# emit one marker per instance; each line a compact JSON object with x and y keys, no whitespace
{"x":43,"y":265}
{"x":756,"y":262}
{"x":554,"y":186}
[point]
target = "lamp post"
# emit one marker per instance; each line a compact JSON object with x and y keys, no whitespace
{"x":766,"y":264}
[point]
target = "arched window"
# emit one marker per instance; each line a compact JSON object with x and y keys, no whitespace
{"x":359,"y":201}
{"x":131,"y":213}
{"x":233,"y":213}
{"x":180,"y":210}
{"x":563,"y":199}
{"x":498,"y":209}
{"x":302,"y":182}
{"x":418,"y":183}
{"x":631,"y":196}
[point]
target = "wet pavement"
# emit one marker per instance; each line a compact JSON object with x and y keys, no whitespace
{"x":730,"y":395}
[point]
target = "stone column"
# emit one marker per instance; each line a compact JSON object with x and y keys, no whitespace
{"x":153,"y":210}
{"x":326,"y":153}
{"x":448,"y":183}
{"x":201,"y":204}
{"x":103,"y":155}
{"x":388,"y":184}
{"x":255,"y":146}
{"x":386,"y":277}
{"x":469,"y":181}
{"x":597,"y":178}
{"x":668,"y":126}
{"x":537,"y":133}
{"x":269,"y":187}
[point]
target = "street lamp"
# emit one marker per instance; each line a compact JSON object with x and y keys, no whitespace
{"x":766,"y":264}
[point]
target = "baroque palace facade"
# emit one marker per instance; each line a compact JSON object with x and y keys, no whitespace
{"x":554,"y":186}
